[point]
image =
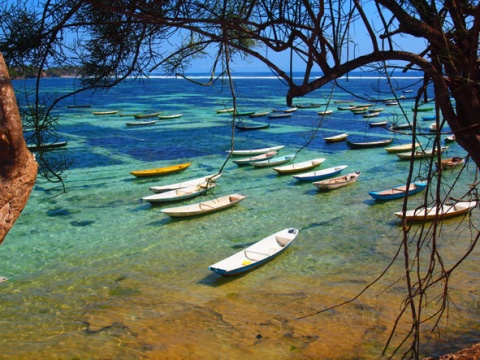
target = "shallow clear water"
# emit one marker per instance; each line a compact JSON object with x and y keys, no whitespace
{"x":97,"y":274}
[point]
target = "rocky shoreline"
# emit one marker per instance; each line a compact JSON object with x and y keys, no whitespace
{"x":471,"y":353}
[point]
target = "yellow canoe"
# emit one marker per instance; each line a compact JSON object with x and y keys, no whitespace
{"x":160,"y":171}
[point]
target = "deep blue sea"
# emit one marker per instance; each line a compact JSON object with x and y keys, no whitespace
{"x":96,"y":273}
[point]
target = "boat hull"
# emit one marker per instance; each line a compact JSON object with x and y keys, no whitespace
{"x":255,"y":255}
{"x":160,"y":171}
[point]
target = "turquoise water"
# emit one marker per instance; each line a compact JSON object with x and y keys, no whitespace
{"x":95,"y":273}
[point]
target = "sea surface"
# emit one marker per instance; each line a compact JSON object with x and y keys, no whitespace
{"x":97,"y":273}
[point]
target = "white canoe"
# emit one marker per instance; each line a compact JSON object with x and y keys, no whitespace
{"x":256,"y":254}
{"x":187,"y":183}
{"x":301,"y":166}
{"x":251,"y":160}
{"x":337,"y":182}
{"x":253,"y":152}
{"x":204,"y":207}
{"x":336,"y":138}
{"x":172,"y":116}
{"x":179,"y":194}
{"x":320,"y":174}
{"x":140,"y":123}
{"x":277,"y":115}
{"x":274,"y":161}
{"x":444,"y":211}
{"x":401,"y":148}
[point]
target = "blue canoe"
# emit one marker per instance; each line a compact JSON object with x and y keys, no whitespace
{"x":398,"y":192}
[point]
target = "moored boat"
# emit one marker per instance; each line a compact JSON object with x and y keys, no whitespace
{"x":244,"y":127}
{"x":186,"y":183}
{"x":251,"y":160}
{"x":252,"y":152}
{"x":378,"y":123}
{"x":47,"y":146}
{"x":256,"y":254}
{"x":369,"y":144}
{"x":146,"y":116}
{"x":401,"y":148}
{"x":335,"y":138}
{"x":398,"y":192}
{"x":160,"y":171}
{"x":336,"y":182}
{"x":140,"y":123}
{"x":108,"y":112}
{"x":441,"y":212}
{"x":279,"y":115}
{"x":274,"y":161}
{"x":298,"y":167}
{"x":259,"y":114}
{"x":450,"y":163}
{"x":325,"y":112}
{"x":171,"y":116}
{"x":320,"y":174}
{"x":205,"y":207}
{"x":179,"y":194}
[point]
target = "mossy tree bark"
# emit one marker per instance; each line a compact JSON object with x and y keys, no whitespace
{"x":18,"y":168}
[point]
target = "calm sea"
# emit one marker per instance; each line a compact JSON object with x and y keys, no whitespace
{"x":95,"y":273}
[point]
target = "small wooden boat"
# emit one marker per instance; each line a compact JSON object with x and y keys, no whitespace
{"x":336,"y":138}
{"x":346,"y":107}
{"x":109,"y":112}
{"x":308,"y":106}
{"x":390,"y":102}
{"x":286,"y":110}
{"x":320,"y":174}
{"x":146,"y":116}
{"x":337,"y":182}
{"x":422,"y":109}
{"x":450,"y":163}
{"x":179,"y":194}
{"x":369,"y":144}
{"x":251,"y":160}
{"x":402,"y":148}
{"x":359,"y":110}
{"x":419,"y":154}
{"x":450,"y":139}
{"x":429,"y":118}
{"x":160,"y":171}
{"x":378,"y":123}
{"x":433,"y":126}
{"x":140,"y":123}
{"x":325,"y":112}
{"x":47,"y":146}
{"x":374,"y":110}
{"x":279,"y":115}
{"x":172,"y":116}
{"x":208,"y":178}
{"x":371,"y":114}
{"x":405,"y":126}
{"x":205,"y":207}
{"x":223,"y":111}
{"x":274,"y":161}
{"x":244,"y":127}
{"x":259,"y":114}
{"x":298,"y":167}
{"x":126,"y":114}
{"x":254,"y":151}
{"x":256,"y":254}
{"x":398,"y":192}
{"x":364,"y":106}
{"x":442,"y":212}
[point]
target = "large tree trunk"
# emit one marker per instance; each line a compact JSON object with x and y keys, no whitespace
{"x":18,"y":168}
